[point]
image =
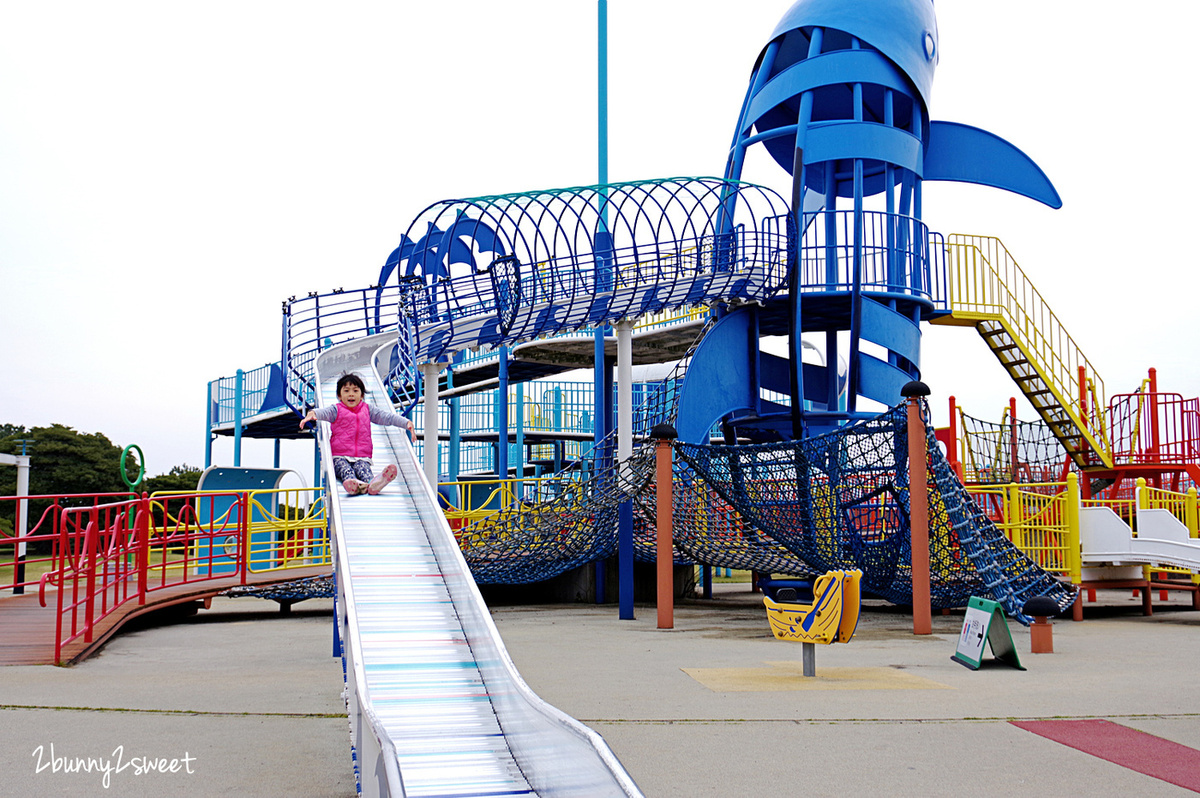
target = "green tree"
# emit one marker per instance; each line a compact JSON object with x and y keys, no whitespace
{"x":62,"y":462}
{"x":12,"y":431}
{"x":181,"y":477}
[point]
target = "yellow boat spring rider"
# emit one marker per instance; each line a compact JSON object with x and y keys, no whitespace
{"x":831,"y":618}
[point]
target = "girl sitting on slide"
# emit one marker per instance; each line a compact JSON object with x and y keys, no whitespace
{"x":350,"y":436}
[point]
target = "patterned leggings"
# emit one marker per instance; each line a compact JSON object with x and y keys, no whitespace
{"x":352,"y":469}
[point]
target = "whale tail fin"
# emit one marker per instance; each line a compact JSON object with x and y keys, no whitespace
{"x":966,"y":154}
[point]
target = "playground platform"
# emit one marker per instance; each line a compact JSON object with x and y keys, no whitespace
{"x":714,"y":707}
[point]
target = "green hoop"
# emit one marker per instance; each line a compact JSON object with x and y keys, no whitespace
{"x":141,"y":467}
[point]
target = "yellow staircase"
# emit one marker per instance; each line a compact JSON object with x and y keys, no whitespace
{"x":988,"y":291}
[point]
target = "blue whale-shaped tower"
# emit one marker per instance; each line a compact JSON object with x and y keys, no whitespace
{"x":839,"y":97}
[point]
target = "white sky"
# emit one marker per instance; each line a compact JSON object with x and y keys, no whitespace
{"x":170,"y":172}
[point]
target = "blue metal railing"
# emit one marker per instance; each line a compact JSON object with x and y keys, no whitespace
{"x":900,"y":257}
{"x":316,"y":322}
{"x":260,"y":392}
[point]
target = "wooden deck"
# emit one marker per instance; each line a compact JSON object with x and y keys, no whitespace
{"x":27,"y":628}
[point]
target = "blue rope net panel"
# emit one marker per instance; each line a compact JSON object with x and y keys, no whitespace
{"x":541,"y":538}
{"x":534,"y":541}
{"x":841,"y":500}
{"x":295,"y":590}
{"x":707,"y":529}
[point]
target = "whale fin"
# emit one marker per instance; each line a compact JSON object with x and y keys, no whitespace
{"x":966,"y":154}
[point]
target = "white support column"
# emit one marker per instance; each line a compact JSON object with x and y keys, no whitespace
{"x":429,"y":374}
{"x":624,"y":330}
{"x":22,"y":463}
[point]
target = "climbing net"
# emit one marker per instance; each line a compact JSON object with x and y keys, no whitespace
{"x":574,"y":520}
{"x":841,"y":500}
{"x":295,"y":590}
{"x":835,"y":501}
{"x":1010,"y":451}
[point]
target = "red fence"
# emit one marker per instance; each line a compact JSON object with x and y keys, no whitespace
{"x":87,"y":555}
{"x":1154,"y":428}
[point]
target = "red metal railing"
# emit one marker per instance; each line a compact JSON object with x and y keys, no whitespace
{"x":88,"y":555}
{"x":24,"y":557}
{"x":1154,"y":428}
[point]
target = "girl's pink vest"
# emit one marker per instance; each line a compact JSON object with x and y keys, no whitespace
{"x":351,"y":431}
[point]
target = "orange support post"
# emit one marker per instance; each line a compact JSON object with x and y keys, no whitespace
{"x":952,"y":444}
{"x":664,"y":478}
{"x":1155,"y":441}
{"x":918,"y":504}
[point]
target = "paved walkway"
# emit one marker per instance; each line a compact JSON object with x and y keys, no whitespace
{"x":713,"y":707}
{"x":246,"y":698}
{"x":717,"y":707}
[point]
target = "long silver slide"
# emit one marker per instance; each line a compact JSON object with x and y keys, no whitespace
{"x":436,"y":706}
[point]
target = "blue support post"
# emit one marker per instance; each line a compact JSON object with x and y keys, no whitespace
{"x":600,"y":427}
{"x":237,"y":418}
{"x":520,"y":436}
{"x":208,"y":425}
{"x":454,"y":452}
{"x":625,"y":559}
{"x":317,"y":479}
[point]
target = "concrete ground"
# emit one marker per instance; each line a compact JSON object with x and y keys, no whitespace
{"x":716,"y":706}
{"x":245,"y":701}
{"x":248,"y":700}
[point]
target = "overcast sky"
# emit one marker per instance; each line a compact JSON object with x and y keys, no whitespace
{"x":170,"y":172}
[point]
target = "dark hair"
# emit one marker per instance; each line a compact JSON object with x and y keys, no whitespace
{"x":351,"y":379}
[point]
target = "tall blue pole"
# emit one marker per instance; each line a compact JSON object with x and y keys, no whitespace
{"x":625,"y":513}
{"x":237,"y":418}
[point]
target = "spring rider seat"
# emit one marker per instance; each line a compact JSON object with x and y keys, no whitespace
{"x":832,"y":616}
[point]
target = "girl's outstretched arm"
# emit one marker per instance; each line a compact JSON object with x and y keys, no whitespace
{"x":319,"y":414}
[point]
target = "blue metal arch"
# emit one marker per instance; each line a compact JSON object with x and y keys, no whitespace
{"x":637,"y":219}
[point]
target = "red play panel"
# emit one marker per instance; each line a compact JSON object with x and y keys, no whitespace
{"x":1121,"y":745}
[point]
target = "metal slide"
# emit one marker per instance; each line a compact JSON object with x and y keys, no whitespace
{"x":1161,"y":540}
{"x":436,"y":706}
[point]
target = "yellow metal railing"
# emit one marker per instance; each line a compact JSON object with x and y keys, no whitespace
{"x":474,"y":507}
{"x":986,"y":283}
{"x":1042,"y":520}
{"x":295,"y":535}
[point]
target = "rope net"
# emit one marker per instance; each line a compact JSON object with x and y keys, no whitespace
{"x":799,"y":508}
{"x":1011,"y":451}
{"x":841,"y":500}
{"x":574,"y":522}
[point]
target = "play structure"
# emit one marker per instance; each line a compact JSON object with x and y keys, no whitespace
{"x":787,"y":325}
{"x":83,"y":565}
{"x":831,"y":616}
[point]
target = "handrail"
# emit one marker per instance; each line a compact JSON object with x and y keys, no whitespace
{"x":106,"y":554}
{"x":316,"y":322}
{"x":1149,"y":427}
{"x":986,"y":283}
